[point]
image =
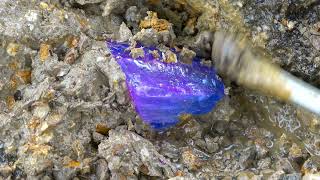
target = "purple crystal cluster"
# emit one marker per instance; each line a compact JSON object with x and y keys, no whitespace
{"x":161,"y":92}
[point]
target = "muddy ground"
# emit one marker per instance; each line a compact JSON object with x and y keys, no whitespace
{"x":65,"y":111}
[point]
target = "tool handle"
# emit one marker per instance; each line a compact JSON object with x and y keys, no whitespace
{"x":235,"y":59}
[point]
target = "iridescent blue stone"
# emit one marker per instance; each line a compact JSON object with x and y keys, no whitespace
{"x":161,"y":92}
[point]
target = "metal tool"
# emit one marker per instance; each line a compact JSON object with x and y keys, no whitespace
{"x":236,"y":59}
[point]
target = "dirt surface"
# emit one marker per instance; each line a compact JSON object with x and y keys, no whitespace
{"x":65,"y":111}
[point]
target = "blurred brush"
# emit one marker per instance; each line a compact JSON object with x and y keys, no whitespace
{"x":236,"y":60}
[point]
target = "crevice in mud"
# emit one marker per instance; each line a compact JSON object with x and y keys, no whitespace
{"x":93,"y":9}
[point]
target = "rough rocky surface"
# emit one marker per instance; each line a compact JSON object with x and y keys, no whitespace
{"x":65,"y":112}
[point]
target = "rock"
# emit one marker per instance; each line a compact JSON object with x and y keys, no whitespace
{"x":125,"y":33}
{"x":202,"y":44}
{"x":132,"y":14}
{"x":296,"y":152}
{"x":190,"y":159}
{"x":5,"y":80}
{"x":102,"y":171}
{"x":25,"y":22}
{"x":41,"y":110}
{"x":245,"y":176}
{"x":221,"y":127}
{"x":187,"y":55}
{"x":115,"y":6}
{"x":155,"y":31}
{"x":148,"y":37}
{"x":170,"y":151}
{"x":97,"y":137}
{"x":223,"y":112}
{"x":12,"y":49}
{"x":178,"y":178}
{"x":5,"y":170}
{"x":247,"y":157}
{"x":295,"y":176}
{"x":116,"y":78}
{"x":212,"y":145}
{"x":192,"y":129}
{"x":310,"y":166}
{"x":264,"y":163}
{"x":128,"y":153}
{"x":83,"y":2}
{"x":315,"y":40}
{"x":287,"y":166}
{"x":277,"y":175}
{"x":133,"y":17}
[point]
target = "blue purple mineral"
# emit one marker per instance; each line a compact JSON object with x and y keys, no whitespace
{"x":162,"y":91}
